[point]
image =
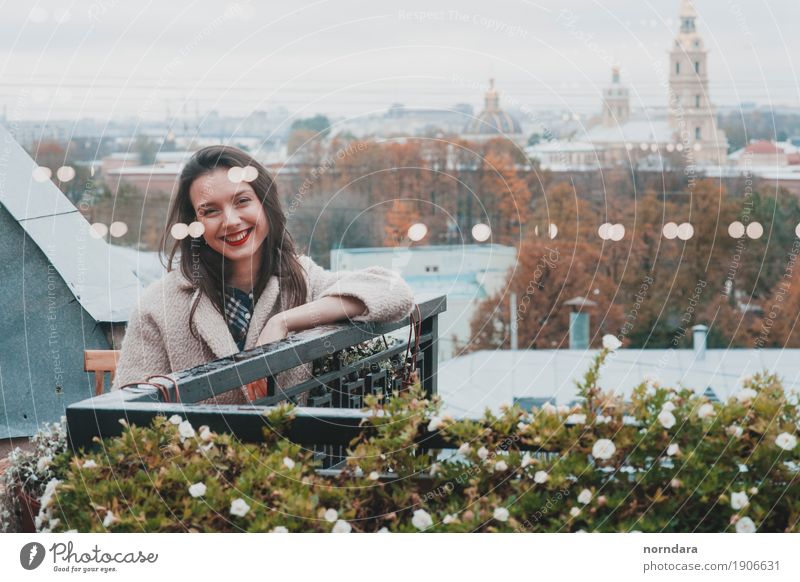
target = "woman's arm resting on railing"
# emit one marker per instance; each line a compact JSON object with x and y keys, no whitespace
{"x":323,"y":311}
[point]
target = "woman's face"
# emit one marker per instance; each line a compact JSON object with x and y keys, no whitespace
{"x":232,"y":214}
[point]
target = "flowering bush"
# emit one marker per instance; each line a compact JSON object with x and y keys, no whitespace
{"x":30,"y":470}
{"x":666,"y":460}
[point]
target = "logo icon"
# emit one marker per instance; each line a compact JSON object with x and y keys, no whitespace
{"x":31,"y":555}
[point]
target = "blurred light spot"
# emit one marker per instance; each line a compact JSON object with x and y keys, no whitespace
{"x":235,"y":174}
{"x":670,"y":147}
{"x":37,"y":14}
{"x":653,"y":147}
{"x":736,"y":229}
{"x":644,"y":146}
{"x":679,"y":147}
{"x":629,"y":146}
{"x":98,"y":230}
{"x":196,"y":229}
{"x":416,"y":232}
{"x":604,"y":232}
{"x":670,"y":230}
{"x":481,"y":232}
{"x":755,"y":230}
{"x":118,"y":229}
{"x":65,"y":173}
{"x":617,"y":232}
{"x":249,"y":173}
{"x":697,"y":147}
{"x":685,"y":231}
{"x":42,"y":174}
{"x":552,"y":231}
{"x":797,"y":230}
{"x":179,"y":231}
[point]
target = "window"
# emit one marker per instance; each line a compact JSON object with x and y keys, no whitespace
{"x":432,"y":268}
{"x":697,"y":67}
{"x":697,"y":101}
{"x":677,"y":68}
{"x":697,"y":133}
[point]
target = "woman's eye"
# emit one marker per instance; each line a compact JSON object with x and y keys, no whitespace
{"x":243,"y":200}
{"x":207,"y":211}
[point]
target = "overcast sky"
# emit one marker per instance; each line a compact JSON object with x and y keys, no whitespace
{"x":61,"y":59}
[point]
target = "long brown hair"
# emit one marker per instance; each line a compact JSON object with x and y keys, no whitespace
{"x":205,"y":267}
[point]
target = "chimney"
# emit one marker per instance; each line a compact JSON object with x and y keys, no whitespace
{"x":699,"y":334}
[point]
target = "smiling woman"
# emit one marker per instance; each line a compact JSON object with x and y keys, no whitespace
{"x":240,"y":283}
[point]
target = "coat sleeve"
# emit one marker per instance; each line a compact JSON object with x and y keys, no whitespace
{"x":387,"y":296}
{"x":143,"y":351}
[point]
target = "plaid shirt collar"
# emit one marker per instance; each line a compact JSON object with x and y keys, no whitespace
{"x":238,"y":311}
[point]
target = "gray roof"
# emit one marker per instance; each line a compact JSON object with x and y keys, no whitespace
{"x":471,"y":383}
{"x":104,"y":287}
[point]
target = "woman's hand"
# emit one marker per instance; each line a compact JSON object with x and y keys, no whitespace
{"x":275,"y":330}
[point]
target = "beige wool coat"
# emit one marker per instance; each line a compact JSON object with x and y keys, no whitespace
{"x":158,"y":340}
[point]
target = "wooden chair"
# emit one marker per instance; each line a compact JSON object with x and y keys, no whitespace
{"x":100,"y":362}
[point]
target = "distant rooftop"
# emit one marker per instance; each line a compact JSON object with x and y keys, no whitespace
{"x":472,"y":382}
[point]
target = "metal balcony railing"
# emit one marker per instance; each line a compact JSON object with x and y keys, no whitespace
{"x":332,"y":417}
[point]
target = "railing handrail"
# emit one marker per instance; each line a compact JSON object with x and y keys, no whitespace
{"x":99,"y":416}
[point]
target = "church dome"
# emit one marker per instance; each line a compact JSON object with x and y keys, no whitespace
{"x":493,"y":120}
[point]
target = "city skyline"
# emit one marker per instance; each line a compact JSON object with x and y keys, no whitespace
{"x":110,"y":60}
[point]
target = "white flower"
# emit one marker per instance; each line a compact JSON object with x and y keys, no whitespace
{"x":574,"y":512}
{"x":280,"y":529}
{"x":331,"y":515}
{"x":668,"y":407}
{"x":500,"y":466}
{"x":483,"y":453}
{"x":175,"y":419}
{"x":358,"y":472}
{"x":705,"y":410}
{"x":44,"y":462}
{"x":464,"y":449}
{"x":109,"y":519}
{"x":541,"y":477}
{"x":500,"y":514}
{"x":205,"y":434}
{"x":197,"y":489}
{"x":449,"y":518}
{"x":600,"y":419}
{"x":651,"y":378}
{"x":185,"y":430}
{"x":753,"y":490}
{"x":548,"y":408}
{"x":673,"y":449}
{"x":435,"y":424}
{"x":288,"y":463}
{"x":526,"y":460}
{"x":239,"y":507}
{"x":786,"y":441}
{"x":374,"y":476}
{"x":341,"y":526}
{"x":611,"y":343}
{"x":739,"y":500}
{"x":89,"y":464}
{"x":667,"y":419}
{"x":745,"y":525}
{"x":603,"y":449}
{"x":734,"y":431}
{"x":585,"y":496}
{"x":421,"y":520}
{"x":576,"y":419}
{"x":746,"y":395}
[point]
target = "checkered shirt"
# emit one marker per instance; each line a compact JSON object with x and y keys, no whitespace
{"x":238,"y":311}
